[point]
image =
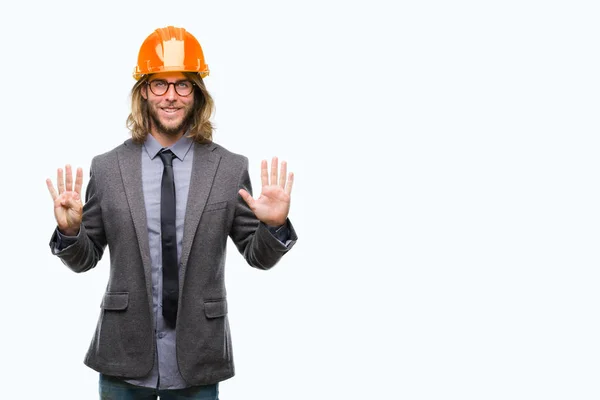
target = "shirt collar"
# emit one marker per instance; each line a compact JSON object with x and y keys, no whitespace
{"x":180,"y":148}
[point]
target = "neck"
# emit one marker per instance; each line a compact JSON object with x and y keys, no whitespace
{"x":166,"y":140}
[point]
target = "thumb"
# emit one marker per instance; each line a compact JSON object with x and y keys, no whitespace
{"x":72,"y":202}
{"x":247,"y":198}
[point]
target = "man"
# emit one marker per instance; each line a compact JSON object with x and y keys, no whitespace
{"x":165,"y":202}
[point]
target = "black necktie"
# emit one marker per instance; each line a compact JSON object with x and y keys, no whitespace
{"x":170,"y":290}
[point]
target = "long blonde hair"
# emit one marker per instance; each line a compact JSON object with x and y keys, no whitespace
{"x":200,"y":129}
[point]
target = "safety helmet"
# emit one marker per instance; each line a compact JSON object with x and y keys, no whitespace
{"x":170,"y":49}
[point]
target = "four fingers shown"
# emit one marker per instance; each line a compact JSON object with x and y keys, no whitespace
{"x":281,"y":178}
{"x":65,"y":183}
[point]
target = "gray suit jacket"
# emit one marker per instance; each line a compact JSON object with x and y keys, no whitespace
{"x":114,"y":215}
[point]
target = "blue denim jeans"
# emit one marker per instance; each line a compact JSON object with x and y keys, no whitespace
{"x":116,"y":389}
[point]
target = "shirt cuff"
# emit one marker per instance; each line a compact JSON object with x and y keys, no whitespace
{"x":64,"y":241}
{"x":281,"y":233}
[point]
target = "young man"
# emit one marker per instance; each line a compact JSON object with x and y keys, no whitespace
{"x":165,"y":203}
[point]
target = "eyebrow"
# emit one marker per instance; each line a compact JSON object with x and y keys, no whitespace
{"x":165,"y":80}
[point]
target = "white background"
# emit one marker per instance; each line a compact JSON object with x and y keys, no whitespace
{"x":446,"y":195}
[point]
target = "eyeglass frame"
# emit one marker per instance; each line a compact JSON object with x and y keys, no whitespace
{"x":148,"y":83}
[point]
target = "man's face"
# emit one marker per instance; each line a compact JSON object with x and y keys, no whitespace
{"x":170,"y":112}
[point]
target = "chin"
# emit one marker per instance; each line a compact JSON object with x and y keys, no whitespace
{"x":170,"y":127}
{"x":173,"y":127}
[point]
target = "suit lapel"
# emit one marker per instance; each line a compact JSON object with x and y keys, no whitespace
{"x":204,"y":168}
{"x":130,"y":164}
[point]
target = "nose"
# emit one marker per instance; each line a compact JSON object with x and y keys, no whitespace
{"x":171,"y":94}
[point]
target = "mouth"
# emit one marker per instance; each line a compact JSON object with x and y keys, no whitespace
{"x":170,"y":110}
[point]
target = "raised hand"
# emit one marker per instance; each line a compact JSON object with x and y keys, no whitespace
{"x":273,"y":204}
{"x":68,"y":208}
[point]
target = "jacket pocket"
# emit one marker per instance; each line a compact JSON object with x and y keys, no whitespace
{"x":215,"y":206}
{"x":115,"y":301}
{"x":215,"y":308}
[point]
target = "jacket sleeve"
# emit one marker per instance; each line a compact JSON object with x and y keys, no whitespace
{"x":85,"y":252}
{"x":254,"y":241}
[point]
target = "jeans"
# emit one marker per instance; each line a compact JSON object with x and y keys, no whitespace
{"x":112,"y":388}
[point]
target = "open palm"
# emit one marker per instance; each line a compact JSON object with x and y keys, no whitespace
{"x":273,"y":204}
{"x":68,"y":208}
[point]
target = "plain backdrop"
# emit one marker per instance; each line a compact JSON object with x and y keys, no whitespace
{"x":446,"y":195}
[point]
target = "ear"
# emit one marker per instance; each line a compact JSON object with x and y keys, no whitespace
{"x":144,"y":92}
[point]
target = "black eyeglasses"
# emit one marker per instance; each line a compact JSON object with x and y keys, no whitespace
{"x":159,"y":87}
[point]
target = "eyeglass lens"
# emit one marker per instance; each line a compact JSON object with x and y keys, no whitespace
{"x":160,"y":87}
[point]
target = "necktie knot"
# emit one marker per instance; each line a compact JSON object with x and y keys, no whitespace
{"x":167,"y":157}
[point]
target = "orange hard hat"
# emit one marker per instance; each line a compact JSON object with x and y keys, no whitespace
{"x":170,"y":49}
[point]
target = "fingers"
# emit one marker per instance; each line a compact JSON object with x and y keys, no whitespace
{"x":51,"y":189}
{"x":290,"y":183}
{"x":283,"y":179}
{"x":274,"y":165}
{"x":282,"y":175}
{"x":69,"y":180}
{"x":79,"y":181}
{"x":247,"y":198}
{"x":264,"y":173}
{"x":71,"y":202}
{"x":60,"y":181}
{"x":65,"y":183}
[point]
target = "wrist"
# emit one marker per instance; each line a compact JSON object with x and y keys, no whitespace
{"x":69,"y":232}
{"x":276,"y":224}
